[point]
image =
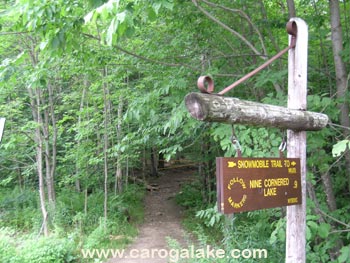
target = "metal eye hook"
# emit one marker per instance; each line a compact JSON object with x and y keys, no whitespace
{"x":205,"y":81}
{"x":283,"y":146}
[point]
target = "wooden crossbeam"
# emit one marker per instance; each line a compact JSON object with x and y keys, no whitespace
{"x":214,"y":108}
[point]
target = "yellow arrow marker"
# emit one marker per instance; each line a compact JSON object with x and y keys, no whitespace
{"x":293,"y":163}
{"x":231,"y":164}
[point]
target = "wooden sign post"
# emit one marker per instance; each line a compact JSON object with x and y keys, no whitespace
{"x":296,"y":144}
{"x":265,"y":178}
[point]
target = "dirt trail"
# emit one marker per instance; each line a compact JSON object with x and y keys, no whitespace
{"x":162,"y":218}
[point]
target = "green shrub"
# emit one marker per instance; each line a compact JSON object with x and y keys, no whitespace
{"x":51,"y":249}
{"x":7,"y":246}
{"x":98,"y":237}
{"x":190,"y":196}
{"x":68,"y":204}
{"x":18,"y":208}
{"x":15,"y":249}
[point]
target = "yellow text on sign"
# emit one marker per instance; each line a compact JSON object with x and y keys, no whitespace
{"x":270,"y":185}
{"x":262,"y":163}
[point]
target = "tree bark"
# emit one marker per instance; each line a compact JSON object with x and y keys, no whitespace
{"x":35,"y":102}
{"x":328,"y":187}
{"x":39,"y":159}
{"x":77,"y":163}
{"x":105,"y":143}
{"x":214,"y":108}
{"x":154,"y":162}
{"x":50,"y":141}
{"x":276,"y":85}
{"x":161,"y":161}
{"x":202,"y":168}
{"x":119,"y":174}
{"x":291,"y":8}
{"x":341,"y":74}
{"x":54,"y":140}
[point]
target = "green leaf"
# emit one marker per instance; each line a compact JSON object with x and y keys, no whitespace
{"x":323,"y":230}
{"x":340,"y":147}
{"x":308,"y":233}
{"x":156,"y":7}
{"x":344,"y":254}
{"x":111,"y":30}
{"x":89,"y":16}
{"x":121,"y":16}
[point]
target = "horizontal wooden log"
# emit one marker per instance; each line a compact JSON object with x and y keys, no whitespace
{"x":214,"y":108}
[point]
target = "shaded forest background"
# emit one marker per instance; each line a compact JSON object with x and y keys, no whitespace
{"x":92,"y":92}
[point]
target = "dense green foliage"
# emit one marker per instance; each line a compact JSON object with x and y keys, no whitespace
{"x":93,"y":90}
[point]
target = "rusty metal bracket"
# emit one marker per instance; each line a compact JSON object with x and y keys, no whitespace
{"x":206,"y":83}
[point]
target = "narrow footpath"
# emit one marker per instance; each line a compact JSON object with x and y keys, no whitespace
{"x":162,"y":219}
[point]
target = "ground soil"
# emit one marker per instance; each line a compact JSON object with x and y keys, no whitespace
{"x":162,"y":217}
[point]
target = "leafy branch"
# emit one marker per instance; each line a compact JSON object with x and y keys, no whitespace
{"x":150,"y":60}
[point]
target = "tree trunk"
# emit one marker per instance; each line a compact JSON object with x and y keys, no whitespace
{"x":291,"y":8}
{"x":154,"y":161}
{"x":77,"y":163}
{"x":312,"y":195}
{"x":324,"y":65}
{"x":202,"y":173}
{"x":341,"y":74}
{"x":328,"y":187}
{"x":119,"y":174}
{"x":204,"y":168}
{"x":46,"y":136}
{"x":161,"y":161}
{"x":144,"y":164}
{"x":39,"y":158}
{"x":35,"y":102}
{"x":277,"y":86}
{"x":105,"y":144}
{"x":50,"y":141}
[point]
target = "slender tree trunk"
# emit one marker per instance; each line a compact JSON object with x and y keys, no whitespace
{"x":105,"y":144}
{"x":154,"y":165}
{"x":341,"y":74}
{"x":324,"y":65}
{"x":77,"y":164}
{"x":277,"y":86}
{"x":291,"y":8}
{"x":144,"y":164}
{"x":50,"y":141}
{"x":105,"y":158}
{"x":312,"y":195}
{"x":204,"y":169}
{"x":161,"y":161}
{"x":53,"y":162}
{"x":35,"y":103}
{"x":85,"y":201}
{"x":119,"y":174}
{"x":39,"y":158}
{"x":46,"y":136}
{"x":328,"y":187}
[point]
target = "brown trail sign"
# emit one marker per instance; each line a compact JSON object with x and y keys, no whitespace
{"x":246,"y":184}
{"x":250,"y":182}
